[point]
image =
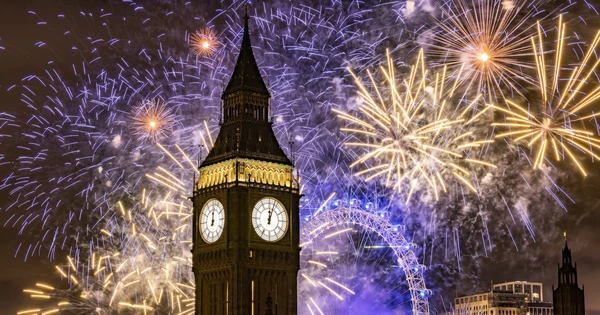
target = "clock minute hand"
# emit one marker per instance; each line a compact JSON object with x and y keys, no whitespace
{"x":212,"y":222}
{"x":269,"y":218}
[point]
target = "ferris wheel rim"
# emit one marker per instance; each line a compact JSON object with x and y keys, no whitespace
{"x":392,"y":235}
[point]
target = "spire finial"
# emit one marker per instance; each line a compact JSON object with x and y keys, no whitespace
{"x":201,"y":146}
{"x":291,"y":142}
{"x":246,"y":75}
{"x":246,"y":17}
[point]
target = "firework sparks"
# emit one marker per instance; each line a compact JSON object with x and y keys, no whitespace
{"x":555,"y":126}
{"x":121,"y":67}
{"x":412,"y":134}
{"x":204,"y":42}
{"x":76,"y":299}
{"x":151,"y":274}
{"x":149,"y":269}
{"x":489,"y":40}
{"x":300,"y":53}
{"x":109,"y":283}
{"x":152,"y":120}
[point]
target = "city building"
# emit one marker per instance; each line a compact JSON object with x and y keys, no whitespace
{"x":503,"y":301}
{"x":568,"y":298}
{"x":246,"y":252}
{"x":533,"y":290}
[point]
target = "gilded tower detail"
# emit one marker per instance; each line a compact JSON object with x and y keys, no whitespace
{"x":246,"y":207}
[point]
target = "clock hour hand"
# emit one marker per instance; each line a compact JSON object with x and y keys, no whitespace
{"x":269,"y":218}
{"x":212,"y":222}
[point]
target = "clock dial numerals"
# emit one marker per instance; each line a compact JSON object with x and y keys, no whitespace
{"x":212,"y":221}
{"x":269,"y":219}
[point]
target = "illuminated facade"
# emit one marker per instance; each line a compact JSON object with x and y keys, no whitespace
{"x":246,"y":170}
{"x":246,"y":252}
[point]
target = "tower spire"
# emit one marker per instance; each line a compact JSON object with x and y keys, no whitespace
{"x":246,"y":129}
{"x":246,"y":75}
{"x":246,"y":169}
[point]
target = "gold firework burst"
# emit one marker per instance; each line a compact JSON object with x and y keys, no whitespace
{"x":489,"y":39}
{"x":152,"y":120}
{"x":410,"y":134}
{"x":204,"y":42}
{"x":556,"y":125}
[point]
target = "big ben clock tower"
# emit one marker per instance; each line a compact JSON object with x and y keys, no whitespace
{"x":246,"y":207}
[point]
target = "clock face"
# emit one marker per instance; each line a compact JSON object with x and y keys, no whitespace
{"x":212,"y":221}
{"x":269,"y":219}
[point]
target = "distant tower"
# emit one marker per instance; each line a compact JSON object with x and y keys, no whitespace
{"x":568,"y":297}
{"x":246,"y":252}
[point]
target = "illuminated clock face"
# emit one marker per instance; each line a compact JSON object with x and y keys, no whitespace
{"x":212,"y":221}
{"x":269,"y":219}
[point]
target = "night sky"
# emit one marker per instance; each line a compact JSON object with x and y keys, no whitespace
{"x":529,"y":260}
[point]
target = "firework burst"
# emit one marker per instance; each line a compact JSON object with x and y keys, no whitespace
{"x":106,"y":284}
{"x":489,"y":38}
{"x":204,"y":42}
{"x":411,"y":132}
{"x":555,"y":126}
{"x":152,"y":120}
{"x":82,"y":296}
{"x":143,"y":265}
